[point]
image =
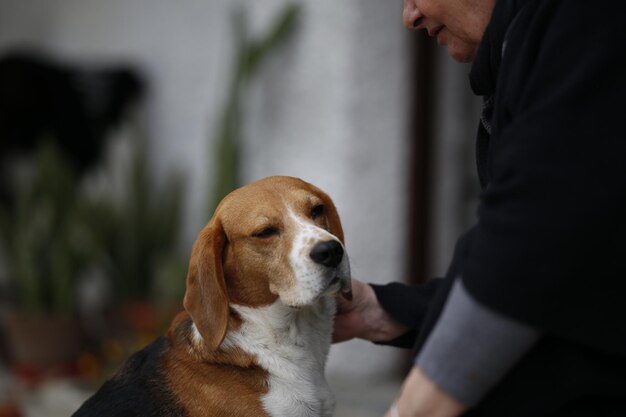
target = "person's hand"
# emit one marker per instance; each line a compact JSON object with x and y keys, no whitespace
{"x":363,"y":317}
{"x":420,"y":397}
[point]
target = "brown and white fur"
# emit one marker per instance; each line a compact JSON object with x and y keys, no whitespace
{"x":259,"y":306}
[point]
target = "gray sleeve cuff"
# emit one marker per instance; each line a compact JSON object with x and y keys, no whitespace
{"x":471,"y":347}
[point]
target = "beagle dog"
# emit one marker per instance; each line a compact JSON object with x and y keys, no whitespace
{"x":259,"y":308}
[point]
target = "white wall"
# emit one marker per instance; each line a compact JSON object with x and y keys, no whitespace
{"x":330,"y":107}
{"x":330,"y":110}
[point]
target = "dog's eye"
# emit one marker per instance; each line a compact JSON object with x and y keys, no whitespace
{"x":318,"y":211}
{"x":267,"y":232}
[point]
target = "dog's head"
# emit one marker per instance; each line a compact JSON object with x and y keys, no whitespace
{"x":277,"y":238}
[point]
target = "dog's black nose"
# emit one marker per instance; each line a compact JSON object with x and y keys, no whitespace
{"x":327,"y":253}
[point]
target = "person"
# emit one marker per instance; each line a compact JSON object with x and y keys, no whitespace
{"x":530,"y":319}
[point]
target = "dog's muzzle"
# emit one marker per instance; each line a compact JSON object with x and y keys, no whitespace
{"x":328,"y":253}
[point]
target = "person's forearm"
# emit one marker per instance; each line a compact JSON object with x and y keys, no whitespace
{"x":471,"y":348}
{"x":420,"y":397}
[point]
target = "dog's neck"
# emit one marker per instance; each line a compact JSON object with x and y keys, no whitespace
{"x":288,"y":345}
{"x":292,"y":346}
{"x":278,"y":328}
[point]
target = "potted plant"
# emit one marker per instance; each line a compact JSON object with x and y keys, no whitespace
{"x":57,"y":231}
{"x":137,"y":234}
{"x":42,"y":250}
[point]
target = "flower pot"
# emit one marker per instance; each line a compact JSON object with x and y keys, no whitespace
{"x":41,"y":342}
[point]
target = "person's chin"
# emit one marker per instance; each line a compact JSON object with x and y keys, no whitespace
{"x":461,"y":58}
{"x":461,"y":51}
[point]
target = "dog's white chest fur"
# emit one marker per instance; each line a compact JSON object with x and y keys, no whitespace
{"x":292,"y":345}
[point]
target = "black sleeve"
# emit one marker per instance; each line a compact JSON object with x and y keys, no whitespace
{"x":551,"y":238}
{"x":408,"y":305}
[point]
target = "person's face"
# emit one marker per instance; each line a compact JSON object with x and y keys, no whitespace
{"x":458,"y":24}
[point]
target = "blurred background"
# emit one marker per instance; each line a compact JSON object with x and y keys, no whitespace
{"x":122,"y":122}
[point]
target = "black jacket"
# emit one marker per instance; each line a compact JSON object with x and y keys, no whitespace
{"x":549,"y":248}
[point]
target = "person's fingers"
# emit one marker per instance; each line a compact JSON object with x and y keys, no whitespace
{"x":346,"y":327}
{"x":348,"y":321}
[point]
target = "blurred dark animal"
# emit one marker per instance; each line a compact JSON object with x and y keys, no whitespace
{"x":74,"y":107}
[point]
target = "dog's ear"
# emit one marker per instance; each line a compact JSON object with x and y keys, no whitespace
{"x":334,"y":226}
{"x":206,"y":299}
